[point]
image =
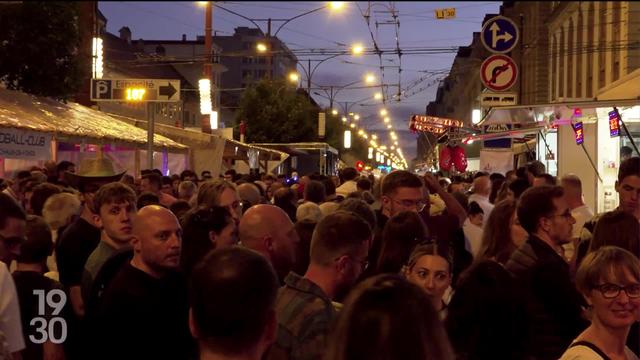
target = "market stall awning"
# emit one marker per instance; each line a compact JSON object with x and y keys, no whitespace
{"x":72,"y":122}
{"x":299,"y":148}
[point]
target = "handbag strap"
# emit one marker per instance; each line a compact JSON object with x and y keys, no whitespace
{"x":592,"y":347}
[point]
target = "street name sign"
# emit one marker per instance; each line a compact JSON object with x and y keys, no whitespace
{"x":498,"y":72}
{"x":135,"y":90}
{"x":499,"y":35}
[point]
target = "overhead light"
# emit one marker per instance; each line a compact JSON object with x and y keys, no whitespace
{"x":389,"y":126}
{"x":386,"y":119}
{"x":347,"y":139}
{"x":356,"y":117}
{"x":377,"y":96}
{"x":261,"y":47}
{"x":476,"y":116}
{"x":334,"y":112}
{"x":357,"y":49}
{"x":369,"y":78}
{"x":383,"y":112}
{"x":344,"y":119}
{"x":352,"y":126}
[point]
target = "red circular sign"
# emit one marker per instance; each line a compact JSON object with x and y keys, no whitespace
{"x":359,"y":165}
{"x":498,"y":72}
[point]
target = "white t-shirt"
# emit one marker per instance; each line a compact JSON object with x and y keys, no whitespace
{"x":582,"y":214}
{"x":10,"y":323}
{"x":472,"y":237}
{"x":485,"y":205}
{"x":581,"y":352}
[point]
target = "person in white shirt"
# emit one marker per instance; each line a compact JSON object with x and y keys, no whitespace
{"x":579,"y":210}
{"x":472,"y":229}
{"x":481,"y":192}
{"x":349,"y":185}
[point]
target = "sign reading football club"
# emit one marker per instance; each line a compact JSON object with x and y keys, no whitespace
{"x":498,"y":72}
{"x":135,"y":90}
{"x":499,"y":35}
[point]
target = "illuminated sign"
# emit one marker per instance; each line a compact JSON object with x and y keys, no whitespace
{"x":579,"y":133}
{"x":432,"y":124}
{"x":134,"y":94}
{"x":359,"y":165}
{"x":614,"y":123}
{"x":148,"y":90}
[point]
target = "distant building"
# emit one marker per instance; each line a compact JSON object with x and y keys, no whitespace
{"x":246,"y":65}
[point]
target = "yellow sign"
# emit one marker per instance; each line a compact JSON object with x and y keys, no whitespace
{"x":449,"y":13}
{"x":135,"y":94}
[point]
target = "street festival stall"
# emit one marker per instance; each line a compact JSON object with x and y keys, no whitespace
{"x":216,"y":153}
{"x":446,"y":150}
{"x":36,"y":129}
{"x":583,"y":138}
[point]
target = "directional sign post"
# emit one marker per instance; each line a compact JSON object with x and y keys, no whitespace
{"x":498,"y":72}
{"x":499,"y":35}
{"x":142,"y":90}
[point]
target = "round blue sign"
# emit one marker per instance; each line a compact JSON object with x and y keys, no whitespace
{"x":499,"y":35}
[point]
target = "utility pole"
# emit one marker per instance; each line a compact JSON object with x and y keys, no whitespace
{"x":206,"y":68}
{"x":270,"y":50}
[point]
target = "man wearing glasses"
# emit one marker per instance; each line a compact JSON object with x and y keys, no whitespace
{"x":13,"y":223}
{"x":304,"y":306}
{"x":553,"y":303}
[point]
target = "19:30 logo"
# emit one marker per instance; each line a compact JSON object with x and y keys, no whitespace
{"x":47,"y":329}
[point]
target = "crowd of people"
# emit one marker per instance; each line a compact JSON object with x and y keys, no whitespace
{"x":97,"y":264}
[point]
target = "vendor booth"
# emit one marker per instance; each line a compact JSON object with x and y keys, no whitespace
{"x":216,"y":153}
{"x":306,"y":158}
{"x":36,"y":129}
{"x":582,"y":138}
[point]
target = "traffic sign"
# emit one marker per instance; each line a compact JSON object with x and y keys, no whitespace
{"x":499,"y":35}
{"x":489,"y":99}
{"x":359,"y":166}
{"x":135,"y":90}
{"x":498,"y":72}
{"x":448,"y":13}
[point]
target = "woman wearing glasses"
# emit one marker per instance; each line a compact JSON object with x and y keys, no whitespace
{"x":609,"y":279}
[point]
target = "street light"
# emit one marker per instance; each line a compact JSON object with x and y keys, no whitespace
{"x":261,"y":47}
{"x":377,"y":96}
{"x":344,"y":119}
{"x":386,"y":119}
{"x":357,"y":49}
{"x":334,"y":112}
{"x":294,"y":77}
{"x":383,"y":112}
{"x":369,"y":79}
{"x":336,"y":5}
{"x":356,"y":117}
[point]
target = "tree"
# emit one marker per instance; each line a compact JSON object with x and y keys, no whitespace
{"x":39,"y":44}
{"x":275,"y":113}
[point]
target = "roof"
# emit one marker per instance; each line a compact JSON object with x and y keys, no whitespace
{"x":72,"y":122}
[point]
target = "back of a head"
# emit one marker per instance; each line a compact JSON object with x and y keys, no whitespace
{"x":59,"y":208}
{"x":535,"y":203}
{"x":474,"y":209}
{"x":329,"y":186}
{"x":9,"y":208}
{"x":349,"y":174}
{"x":617,"y":228}
{"x":496,"y":236}
{"x":196,"y":225}
{"x":180,"y":208}
{"x":482,"y":185}
{"x":309,"y":211}
{"x":314,"y":191}
{"x":40,"y":195}
{"x":518,"y":186}
{"x":233,"y":292}
{"x":210,"y":191}
{"x":364,"y":184}
{"x":547,"y":179}
{"x":147,"y":198}
{"x":571,"y":184}
{"x":536,"y":168}
{"x":187,"y":188}
{"x":375,"y":320}
{"x":629,"y":167}
{"x":38,"y":244}
{"x":397,"y":179}
{"x":401,"y":234}
{"x":360,"y":208}
{"x":155,"y":180}
{"x":337,"y":234}
{"x":249,"y":192}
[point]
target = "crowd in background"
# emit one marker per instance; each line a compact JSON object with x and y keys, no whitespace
{"x":258,"y":266}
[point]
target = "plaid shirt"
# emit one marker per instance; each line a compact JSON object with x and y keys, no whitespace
{"x":305,"y":315}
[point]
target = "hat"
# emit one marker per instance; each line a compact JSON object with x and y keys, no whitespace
{"x":93,"y":170}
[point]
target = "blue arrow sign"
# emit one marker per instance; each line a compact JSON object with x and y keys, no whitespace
{"x":499,"y":35}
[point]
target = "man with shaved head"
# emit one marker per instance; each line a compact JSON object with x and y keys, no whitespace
{"x":250,"y":194}
{"x":144,"y":310}
{"x":268,"y":230}
{"x":481,"y":192}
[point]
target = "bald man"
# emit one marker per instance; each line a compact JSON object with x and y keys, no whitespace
{"x":268,"y":230}
{"x":249,"y":192}
{"x":144,"y":310}
{"x":481,"y":192}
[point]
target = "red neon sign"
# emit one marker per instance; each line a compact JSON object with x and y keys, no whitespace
{"x":614,"y":123}
{"x":579,"y":133}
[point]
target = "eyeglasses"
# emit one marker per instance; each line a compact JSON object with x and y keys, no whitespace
{"x":419,"y":205}
{"x":566,"y":214}
{"x":364,"y":264}
{"x":611,"y":291}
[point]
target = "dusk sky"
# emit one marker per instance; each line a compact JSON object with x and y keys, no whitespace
{"x":325,"y":29}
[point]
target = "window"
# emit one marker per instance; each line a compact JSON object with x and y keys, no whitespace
{"x":589,"y":48}
{"x":579,"y":51}
{"x":571,"y":54}
{"x":602,"y":43}
{"x":616,"y":41}
{"x":247,"y":74}
{"x":561,"y":68}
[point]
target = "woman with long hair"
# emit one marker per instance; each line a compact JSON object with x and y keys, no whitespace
{"x":400,"y":236}
{"x":204,"y":229}
{"x":387,"y":317}
{"x":431,"y":270}
{"x":500,"y":241}
{"x":609,"y":279}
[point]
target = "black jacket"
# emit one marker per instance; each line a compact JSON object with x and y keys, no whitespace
{"x":553,"y":303}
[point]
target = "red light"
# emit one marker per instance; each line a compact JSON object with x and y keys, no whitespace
{"x":359,"y":165}
{"x":577,"y":112}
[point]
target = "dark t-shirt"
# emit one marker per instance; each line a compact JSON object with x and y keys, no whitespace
{"x":26,"y":282}
{"x":141,"y":317}
{"x":73,"y":248}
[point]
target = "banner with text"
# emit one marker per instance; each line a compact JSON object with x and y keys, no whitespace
{"x":496,"y":161}
{"x":24,"y":144}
